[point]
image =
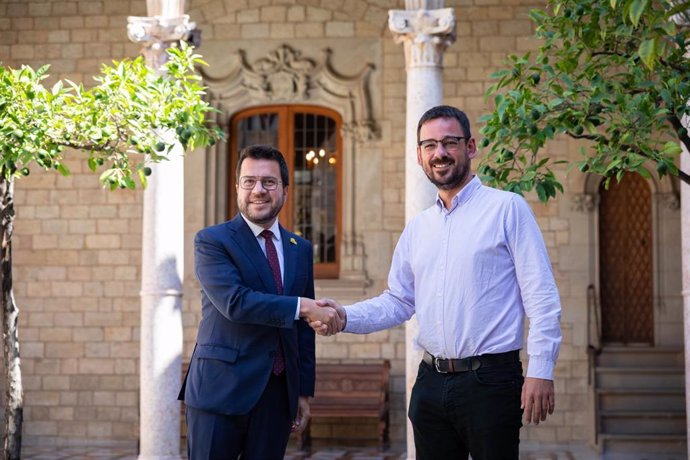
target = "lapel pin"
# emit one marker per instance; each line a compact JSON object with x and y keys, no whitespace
{"x":293,"y":241}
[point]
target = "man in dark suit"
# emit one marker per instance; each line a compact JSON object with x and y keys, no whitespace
{"x":253,"y":368}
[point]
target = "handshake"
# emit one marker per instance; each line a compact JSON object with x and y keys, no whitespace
{"x":325,"y":316}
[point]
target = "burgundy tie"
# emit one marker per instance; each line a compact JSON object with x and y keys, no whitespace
{"x":272,"y":256}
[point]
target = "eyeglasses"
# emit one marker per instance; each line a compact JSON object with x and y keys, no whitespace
{"x":268,"y":183}
{"x":449,"y":143}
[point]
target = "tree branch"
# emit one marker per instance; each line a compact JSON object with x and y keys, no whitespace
{"x":683,"y":176}
{"x":678,"y":127}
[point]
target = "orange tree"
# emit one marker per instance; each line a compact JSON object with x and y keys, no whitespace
{"x":121,"y":125}
{"x":611,"y":72}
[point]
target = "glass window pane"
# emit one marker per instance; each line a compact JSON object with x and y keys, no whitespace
{"x":315,"y":182}
{"x":257,"y":129}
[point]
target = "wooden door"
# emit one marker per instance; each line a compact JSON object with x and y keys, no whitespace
{"x":626,"y":266}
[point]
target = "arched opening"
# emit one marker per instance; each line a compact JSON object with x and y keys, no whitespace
{"x":309,"y":137}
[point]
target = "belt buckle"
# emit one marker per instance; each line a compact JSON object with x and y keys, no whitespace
{"x":437,"y":368}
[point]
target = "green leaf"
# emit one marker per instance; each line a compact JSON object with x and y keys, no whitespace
{"x":553,"y":103}
{"x":671,"y":148}
{"x":129,"y":183}
{"x":541,"y":192}
{"x":62,"y":169}
{"x":499,"y":74}
{"x":637,"y":8}
{"x":142,"y":178}
{"x":42,"y":70}
{"x":642,"y":171}
{"x":57,"y":88}
{"x":648,"y":52}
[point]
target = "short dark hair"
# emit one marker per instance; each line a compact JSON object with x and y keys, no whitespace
{"x":264,"y":152}
{"x":445,"y":111}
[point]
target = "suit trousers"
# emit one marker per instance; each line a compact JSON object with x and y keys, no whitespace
{"x":467,"y":413}
{"x":262,"y":434}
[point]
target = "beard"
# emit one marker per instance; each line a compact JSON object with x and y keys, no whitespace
{"x":452,"y":179}
{"x":266,"y":214}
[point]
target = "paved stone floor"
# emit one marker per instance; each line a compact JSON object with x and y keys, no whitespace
{"x":103,"y":453}
{"x":320,"y":453}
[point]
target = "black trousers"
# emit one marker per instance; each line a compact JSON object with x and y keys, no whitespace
{"x":262,"y":434}
{"x":468,"y":413}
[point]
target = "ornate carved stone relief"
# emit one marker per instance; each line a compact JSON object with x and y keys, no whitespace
{"x":285,"y":76}
{"x":584,"y":202}
{"x":670,"y":199}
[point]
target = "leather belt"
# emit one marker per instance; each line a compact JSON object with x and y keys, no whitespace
{"x":472,"y":363}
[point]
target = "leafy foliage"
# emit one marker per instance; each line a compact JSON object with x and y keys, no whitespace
{"x":611,"y":72}
{"x":123,"y":122}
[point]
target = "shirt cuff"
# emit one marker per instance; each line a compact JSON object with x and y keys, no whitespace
{"x":299,"y":299}
{"x":347,"y":321}
{"x":540,"y":368}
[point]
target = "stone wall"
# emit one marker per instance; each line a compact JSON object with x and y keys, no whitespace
{"x":77,"y":247}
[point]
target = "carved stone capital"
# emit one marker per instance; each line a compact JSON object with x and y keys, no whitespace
{"x":584,"y":202}
{"x":157,"y":34}
{"x":425,"y":34}
{"x":361,"y":131}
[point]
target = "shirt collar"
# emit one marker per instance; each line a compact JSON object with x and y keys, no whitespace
{"x":462,"y":196}
{"x":257,"y":229}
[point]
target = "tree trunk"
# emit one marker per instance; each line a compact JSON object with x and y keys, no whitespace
{"x":14,"y":412}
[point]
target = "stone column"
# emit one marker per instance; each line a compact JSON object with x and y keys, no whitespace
{"x":683,"y":19}
{"x":425,"y":29}
{"x":685,"y":263}
{"x":162,"y":258}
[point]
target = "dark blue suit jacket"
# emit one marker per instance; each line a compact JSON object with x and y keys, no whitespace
{"x":242,"y":318}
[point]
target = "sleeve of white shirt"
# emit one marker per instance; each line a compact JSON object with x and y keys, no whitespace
{"x":395,"y":305}
{"x":537,"y":287}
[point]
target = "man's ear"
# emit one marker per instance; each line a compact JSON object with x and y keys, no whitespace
{"x":471,"y":148}
{"x":419,"y":156}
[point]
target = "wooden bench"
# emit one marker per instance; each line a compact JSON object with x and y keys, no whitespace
{"x":352,"y":390}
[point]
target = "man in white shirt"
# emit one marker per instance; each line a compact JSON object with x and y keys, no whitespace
{"x":470,"y":267}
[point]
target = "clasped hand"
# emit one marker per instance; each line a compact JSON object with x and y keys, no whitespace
{"x":325,"y":316}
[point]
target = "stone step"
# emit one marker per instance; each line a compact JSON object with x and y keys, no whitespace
{"x":645,"y":446}
{"x":618,"y":356}
{"x":640,"y":377}
{"x":648,"y":422}
{"x":640,"y":399}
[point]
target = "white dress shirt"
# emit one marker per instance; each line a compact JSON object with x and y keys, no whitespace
{"x":471,"y":273}
{"x":277,"y":237}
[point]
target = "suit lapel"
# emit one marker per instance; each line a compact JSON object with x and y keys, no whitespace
{"x":244,"y":238}
{"x":289,"y":260}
